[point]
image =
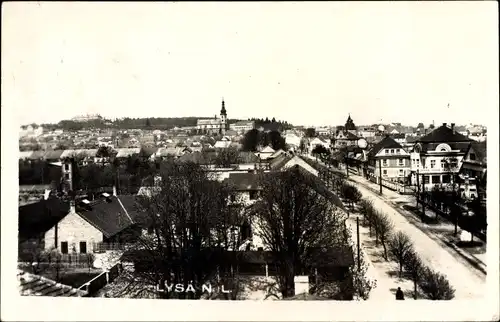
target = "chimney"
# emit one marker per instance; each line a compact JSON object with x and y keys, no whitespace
{"x":444,"y":124}
{"x":72,"y":208}
{"x":114,"y":191}
{"x":453,"y":127}
{"x":301,"y":284}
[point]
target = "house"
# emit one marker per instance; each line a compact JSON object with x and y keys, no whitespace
{"x":437,"y":157}
{"x":35,"y":219}
{"x":222,"y":144}
{"x":35,"y":285}
{"x":124,"y":153}
{"x":292,"y":140}
{"x":284,"y":162}
{"x":169,"y":152}
{"x":398,"y":137}
{"x":318,"y":142}
{"x":265,"y":153}
{"x":367,"y":131}
{"x":242,"y":127}
{"x":245,"y":187}
{"x":474,"y":163}
{"x":344,"y":139}
{"x":53,"y":155}
{"x":389,"y":160}
{"x":109,"y":219}
{"x":277,"y":153}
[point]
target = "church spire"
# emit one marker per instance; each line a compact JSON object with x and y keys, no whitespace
{"x":223,"y":109}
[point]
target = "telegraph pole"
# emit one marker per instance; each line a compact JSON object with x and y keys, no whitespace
{"x":357,"y":233}
{"x":380,"y":174}
{"x":423,"y":195}
{"x":418,"y":187}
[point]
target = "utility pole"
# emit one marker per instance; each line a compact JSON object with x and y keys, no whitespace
{"x":347,"y":164}
{"x":418,"y":187}
{"x":357,"y":233}
{"x":380,"y":174}
{"x":423,"y":196}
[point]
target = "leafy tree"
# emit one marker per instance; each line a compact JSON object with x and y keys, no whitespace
{"x":400,"y":246}
{"x":310,"y":132}
{"x":435,"y":286}
{"x":275,"y":139}
{"x":251,"y":140}
{"x":414,"y":266}
{"x":295,"y":215}
{"x":351,"y":193}
{"x":320,"y":149}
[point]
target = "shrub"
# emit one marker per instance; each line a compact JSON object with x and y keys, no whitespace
{"x":435,"y":286}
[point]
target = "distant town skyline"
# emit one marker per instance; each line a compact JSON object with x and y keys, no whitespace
{"x":396,"y":62}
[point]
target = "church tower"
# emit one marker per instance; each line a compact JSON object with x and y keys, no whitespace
{"x":349,"y":125}
{"x":223,"y":118}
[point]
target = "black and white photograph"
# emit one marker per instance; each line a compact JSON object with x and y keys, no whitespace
{"x":261,"y":154}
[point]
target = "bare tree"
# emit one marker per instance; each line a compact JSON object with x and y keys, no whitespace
{"x":400,"y":246}
{"x":297,"y":213}
{"x":383,"y":229}
{"x":414,"y":266}
{"x":189,"y":218}
{"x":435,"y":286}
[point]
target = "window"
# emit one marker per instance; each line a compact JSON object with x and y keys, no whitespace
{"x":386,"y":151}
{"x":66,"y":176}
{"x":446,"y":178}
{"x":384,"y":172}
{"x":401,"y":162}
{"x":436,"y":179}
{"x":443,"y":164}
{"x":418,"y":161}
{"x":426,"y":179}
{"x":392,"y":150}
{"x":83,"y":247}
{"x":384,"y":162}
{"x":64,"y":247}
{"x":66,"y":167}
{"x":472,"y":156}
{"x":401,"y":172}
{"x":253,"y":195}
{"x":433,"y":163}
{"x":397,"y":151}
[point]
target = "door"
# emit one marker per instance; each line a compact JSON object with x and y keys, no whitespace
{"x":83,"y":247}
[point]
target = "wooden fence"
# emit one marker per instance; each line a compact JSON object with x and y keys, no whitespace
{"x":101,"y":280}
{"x":102,"y":247}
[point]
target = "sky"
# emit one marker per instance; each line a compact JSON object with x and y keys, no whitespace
{"x":306,"y":63}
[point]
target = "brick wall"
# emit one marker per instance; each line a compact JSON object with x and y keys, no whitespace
{"x":73,"y":229}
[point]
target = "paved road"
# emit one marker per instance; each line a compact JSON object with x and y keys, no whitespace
{"x":467,"y":283}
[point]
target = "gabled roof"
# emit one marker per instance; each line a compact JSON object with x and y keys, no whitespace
{"x":243,"y":181}
{"x":35,"y":285}
{"x":248,"y":157}
{"x":279,"y":162}
{"x":37,"y":218}
{"x":277,"y":153}
{"x":126,"y":152}
{"x":110,"y":217}
{"x":222,"y":144}
{"x":36,"y":155}
{"x":386,"y":143}
{"x":53,"y":155}
{"x":443,"y":134}
{"x":267,"y":149}
{"x":68,"y":154}
{"x":479,"y":149}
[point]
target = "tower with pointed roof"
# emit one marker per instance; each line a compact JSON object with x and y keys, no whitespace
{"x":349,"y":125}
{"x":223,"y":117}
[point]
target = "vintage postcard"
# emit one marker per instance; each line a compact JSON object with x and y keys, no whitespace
{"x":250,"y":161}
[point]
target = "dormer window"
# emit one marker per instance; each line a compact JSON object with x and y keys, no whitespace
{"x":472,"y":156}
{"x":386,"y":151}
